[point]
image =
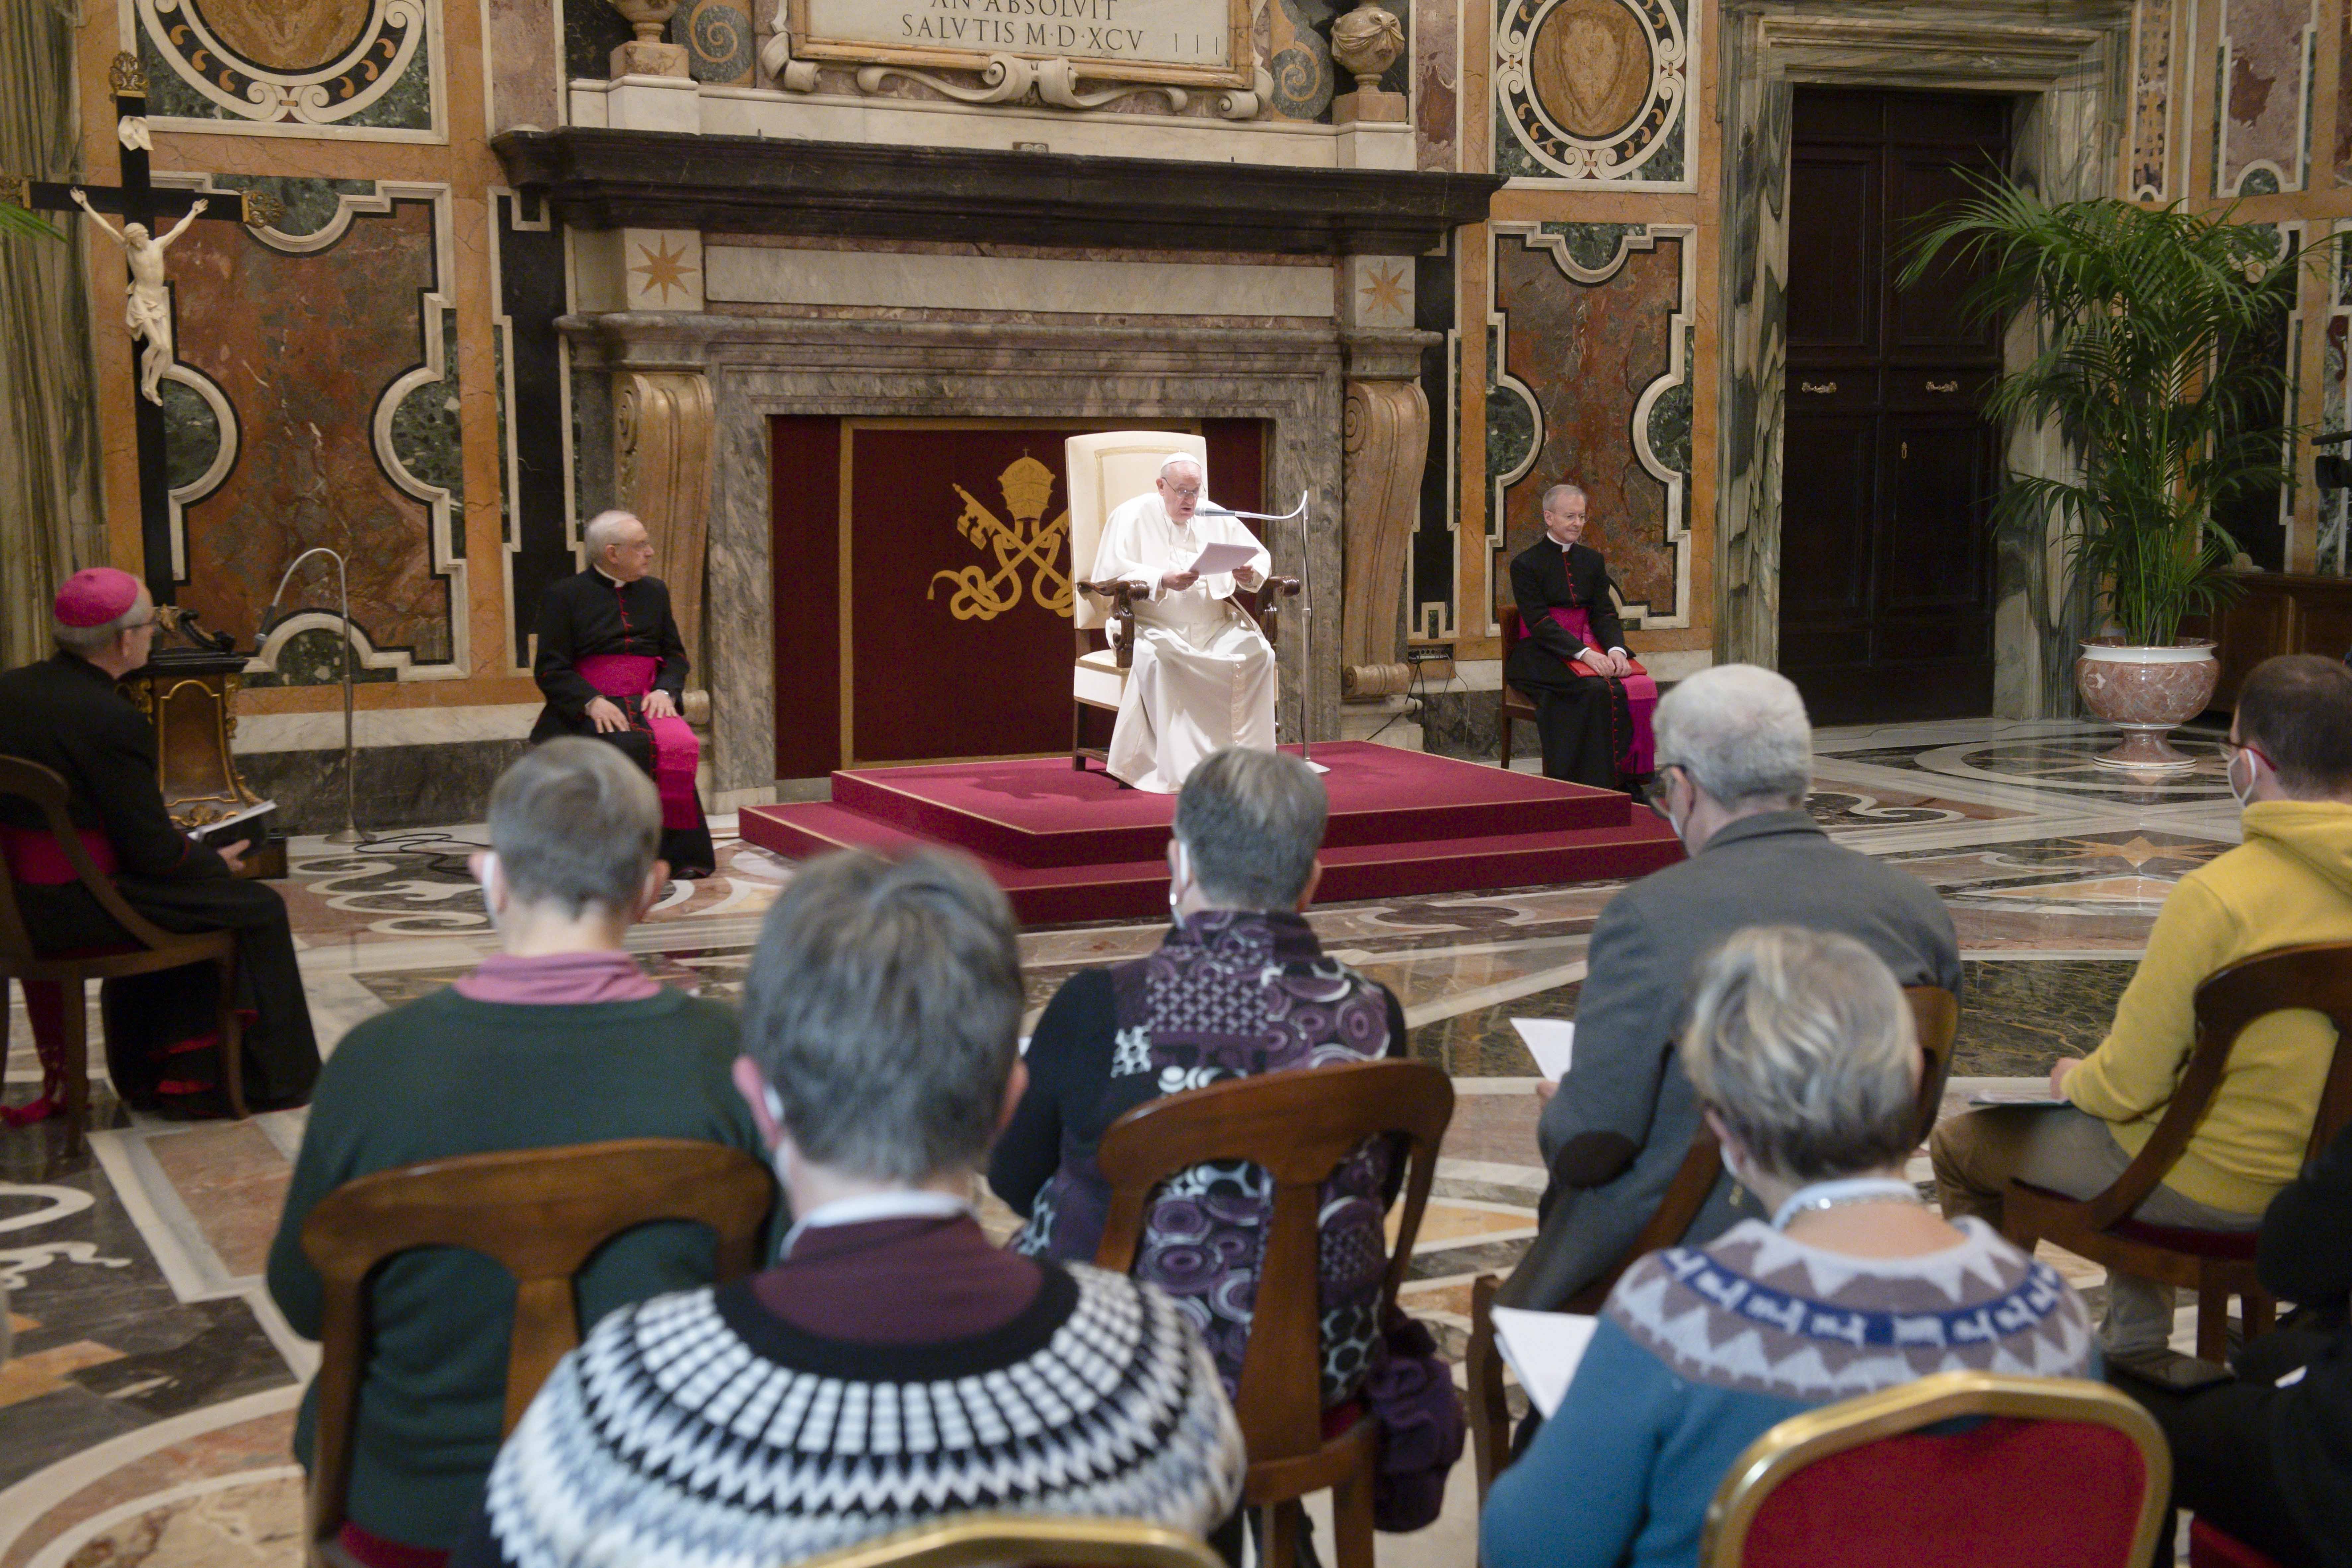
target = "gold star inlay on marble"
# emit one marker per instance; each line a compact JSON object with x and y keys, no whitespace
{"x":665,"y":269}
{"x":1385,"y":289}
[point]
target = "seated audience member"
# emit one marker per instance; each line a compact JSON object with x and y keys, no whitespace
{"x":2268,"y":1458}
{"x":1239,"y":986}
{"x":560,"y":1038}
{"x":894,"y":1367}
{"x":162,"y":1030}
{"x":2289,"y":882}
{"x":1802,"y":1052}
{"x":1735,"y":759}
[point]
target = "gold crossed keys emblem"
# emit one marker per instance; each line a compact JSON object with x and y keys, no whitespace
{"x":1027,"y":541}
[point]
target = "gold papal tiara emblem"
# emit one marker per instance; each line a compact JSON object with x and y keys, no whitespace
{"x":1028,"y":540}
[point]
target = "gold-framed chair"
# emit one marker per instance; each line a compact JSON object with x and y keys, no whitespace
{"x":1864,"y":1482}
{"x":2217,"y":1264}
{"x":986,"y":1539}
{"x":1104,"y":471}
{"x":1936,"y":1018}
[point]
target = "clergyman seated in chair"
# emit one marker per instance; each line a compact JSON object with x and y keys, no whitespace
{"x":612,"y":663}
{"x":1203,"y":676}
{"x":1804,"y":1058}
{"x":895,"y":1366}
{"x":65,"y":714}
{"x":1735,"y":759}
{"x":560,"y":1038}
{"x":2289,"y":883}
{"x":1239,"y":986}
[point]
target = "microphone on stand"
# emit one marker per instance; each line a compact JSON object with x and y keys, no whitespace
{"x":1306,"y":608}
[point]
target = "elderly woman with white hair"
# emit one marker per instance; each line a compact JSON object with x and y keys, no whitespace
{"x":1735,"y":759}
{"x":1203,"y":675}
{"x":1803,"y":1054}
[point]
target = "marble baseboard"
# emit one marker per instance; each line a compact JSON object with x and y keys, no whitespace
{"x":1466,"y":724}
{"x":398,"y":786}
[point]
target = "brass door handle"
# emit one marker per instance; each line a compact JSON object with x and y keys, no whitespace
{"x":1826,"y":387}
{"x":1951,"y":386}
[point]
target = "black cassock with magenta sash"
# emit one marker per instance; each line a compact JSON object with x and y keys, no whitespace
{"x":1595,"y":727}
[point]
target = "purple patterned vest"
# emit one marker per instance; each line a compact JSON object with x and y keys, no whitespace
{"x":1228,"y":995}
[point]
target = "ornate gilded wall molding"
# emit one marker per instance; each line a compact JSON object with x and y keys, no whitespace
{"x":364,"y":69}
{"x":661,"y":471}
{"x":1593,"y":90}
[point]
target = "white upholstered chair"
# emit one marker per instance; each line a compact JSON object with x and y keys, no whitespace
{"x":1104,"y":471}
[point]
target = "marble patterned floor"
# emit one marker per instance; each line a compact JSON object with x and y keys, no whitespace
{"x":147,"y":1409}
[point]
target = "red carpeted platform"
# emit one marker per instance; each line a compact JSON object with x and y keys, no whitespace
{"x":1071,"y":845}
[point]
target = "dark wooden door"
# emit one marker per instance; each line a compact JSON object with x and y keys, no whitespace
{"x":1888,"y":472}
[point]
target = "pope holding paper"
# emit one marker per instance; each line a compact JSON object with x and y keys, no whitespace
{"x":1203,"y":676}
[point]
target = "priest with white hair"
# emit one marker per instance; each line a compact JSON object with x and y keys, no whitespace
{"x":1202,"y":677}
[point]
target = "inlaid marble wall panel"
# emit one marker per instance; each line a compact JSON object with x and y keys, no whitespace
{"x":366,"y":69}
{"x":333,"y":348}
{"x":2267,"y":63}
{"x":1594,"y":91}
{"x":2154,"y":101}
{"x":1590,"y":338}
{"x":524,"y":57}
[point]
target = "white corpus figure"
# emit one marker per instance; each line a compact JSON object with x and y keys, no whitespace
{"x":148,"y":313}
{"x":1203,"y":675}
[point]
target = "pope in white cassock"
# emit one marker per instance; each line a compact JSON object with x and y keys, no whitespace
{"x":1203,"y":675}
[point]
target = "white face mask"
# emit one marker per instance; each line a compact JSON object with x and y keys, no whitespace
{"x":1183,"y":874}
{"x":2245,"y":797}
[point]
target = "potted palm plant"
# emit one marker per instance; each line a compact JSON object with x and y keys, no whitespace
{"x":2145,"y":364}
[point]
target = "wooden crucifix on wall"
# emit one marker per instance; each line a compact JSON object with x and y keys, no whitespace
{"x":142,"y":207}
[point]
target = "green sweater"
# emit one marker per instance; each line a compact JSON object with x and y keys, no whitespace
{"x":448,"y":1076}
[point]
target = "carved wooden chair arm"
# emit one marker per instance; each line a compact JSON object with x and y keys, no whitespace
{"x":1122,"y":615}
{"x":1285,"y":585}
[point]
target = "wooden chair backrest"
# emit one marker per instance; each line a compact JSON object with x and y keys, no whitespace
{"x":988,"y":1539}
{"x":47,"y":794}
{"x":539,"y":1213}
{"x":1935,"y":1017}
{"x":1818,"y":1435}
{"x":1298,"y":1126}
{"x":2318,"y":977}
{"x":1104,"y":471}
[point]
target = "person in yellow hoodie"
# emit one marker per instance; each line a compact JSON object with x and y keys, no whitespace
{"x":2290,"y":767}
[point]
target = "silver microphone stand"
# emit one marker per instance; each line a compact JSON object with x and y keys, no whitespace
{"x":1306,"y":610}
{"x":350,"y":832}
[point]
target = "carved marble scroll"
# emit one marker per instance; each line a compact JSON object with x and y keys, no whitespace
{"x":1385,"y":443}
{"x":661,"y":452}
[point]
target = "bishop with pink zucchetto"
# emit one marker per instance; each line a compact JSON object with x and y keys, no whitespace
{"x":163,"y":1050}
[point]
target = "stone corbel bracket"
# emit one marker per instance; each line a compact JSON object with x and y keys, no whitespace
{"x":1007,"y":79}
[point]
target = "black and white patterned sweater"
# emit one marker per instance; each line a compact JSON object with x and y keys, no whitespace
{"x":699,"y":1428}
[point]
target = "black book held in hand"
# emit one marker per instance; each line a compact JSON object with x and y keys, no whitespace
{"x":255,"y":824}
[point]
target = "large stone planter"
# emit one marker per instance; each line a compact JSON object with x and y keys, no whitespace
{"x":2147,"y":692}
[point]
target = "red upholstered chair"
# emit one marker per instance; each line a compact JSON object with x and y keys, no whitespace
{"x":1861,"y":1484}
{"x":2217,"y":1264}
{"x":54,"y":984}
{"x":2209,"y":1548}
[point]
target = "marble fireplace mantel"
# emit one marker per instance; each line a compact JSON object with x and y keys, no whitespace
{"x":605,"y":179}
{"x":1297,"y":378}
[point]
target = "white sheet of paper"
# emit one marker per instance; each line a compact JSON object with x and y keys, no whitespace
{"x":1544,"y":1348}
{"x":1551,"y":1041}
{"x":1215,"y":558}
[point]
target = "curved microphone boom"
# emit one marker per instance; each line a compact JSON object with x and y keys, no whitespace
{"x":350,"y":832}
{"x":1306,"y":608}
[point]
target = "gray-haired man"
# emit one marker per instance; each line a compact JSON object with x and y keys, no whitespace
{"x":612,"y":665}
{"x":1735,"y":759}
